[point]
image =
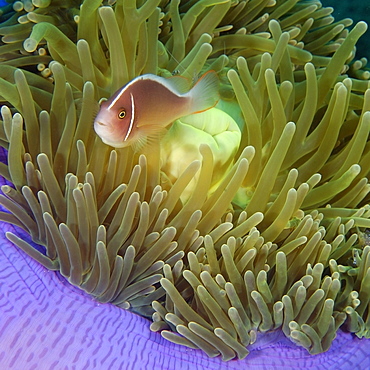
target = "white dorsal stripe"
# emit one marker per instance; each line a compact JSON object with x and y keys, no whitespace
{"x":116,"y":98}
{"x":166,"y":82}
{"x":161,"y":80}
{"x":132,"y":118}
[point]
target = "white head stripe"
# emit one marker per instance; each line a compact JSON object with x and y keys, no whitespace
{"x":132,"y":118}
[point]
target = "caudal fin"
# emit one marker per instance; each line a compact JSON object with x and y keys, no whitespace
{"x":204,"y":94}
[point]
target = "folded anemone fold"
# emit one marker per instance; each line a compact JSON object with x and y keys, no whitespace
{"x":249,"y":217}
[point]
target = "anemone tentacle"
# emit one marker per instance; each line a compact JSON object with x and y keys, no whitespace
{"x":250,"y":217}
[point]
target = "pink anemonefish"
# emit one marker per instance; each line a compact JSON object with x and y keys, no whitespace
{"x":145,"y":106}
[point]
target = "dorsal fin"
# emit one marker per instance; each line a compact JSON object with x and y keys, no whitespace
{"x":180,"y":83}
{"x":205,"y":94}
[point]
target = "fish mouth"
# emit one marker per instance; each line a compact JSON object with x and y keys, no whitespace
{"x":102,"y":127}
{"x":100,"y":123}
{"x":106,"y":133}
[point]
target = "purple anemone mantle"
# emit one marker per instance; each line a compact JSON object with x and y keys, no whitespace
{"x":46,"y":323}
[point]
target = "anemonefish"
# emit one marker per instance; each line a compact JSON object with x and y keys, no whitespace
{"x":145,"y":106}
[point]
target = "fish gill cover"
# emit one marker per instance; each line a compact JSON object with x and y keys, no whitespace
{"x":250,"y":217}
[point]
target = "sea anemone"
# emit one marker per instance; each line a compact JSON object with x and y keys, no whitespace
{"x":251,"y":217}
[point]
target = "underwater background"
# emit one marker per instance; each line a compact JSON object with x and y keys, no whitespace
{"x":358,"y":10}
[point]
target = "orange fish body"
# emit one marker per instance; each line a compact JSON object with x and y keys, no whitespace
{"x":149,"y":103}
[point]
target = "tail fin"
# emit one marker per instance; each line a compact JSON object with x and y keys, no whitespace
{"x":204,"y":94}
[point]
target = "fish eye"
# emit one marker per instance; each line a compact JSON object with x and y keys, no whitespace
{"x":122,"y":114}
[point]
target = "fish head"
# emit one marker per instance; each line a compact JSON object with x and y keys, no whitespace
{"x":114,"y":122}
